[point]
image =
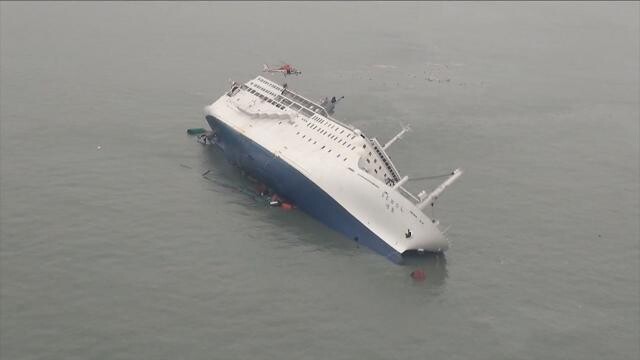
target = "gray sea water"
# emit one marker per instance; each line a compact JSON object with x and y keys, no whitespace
{"x":127,"y":252}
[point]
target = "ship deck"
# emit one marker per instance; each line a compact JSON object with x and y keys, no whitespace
{"x":375,"y":161}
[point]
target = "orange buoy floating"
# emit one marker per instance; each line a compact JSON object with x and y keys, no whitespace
{"x":286,"y":206}
{"x":418,"y":275}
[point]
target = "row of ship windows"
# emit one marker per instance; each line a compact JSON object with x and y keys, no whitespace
{"x":333,"y":137}
{"x":309,"y":139}
{"x":265,"y":90}
{"x":286,"y":102}
{"x":291,"y":104}
{"x":314,"y":117}
{"x":336,"y":127}
{"x":333,"y":126}
{"x":314,"y":108}
{"x":269,"y":84}
{"x":386,"y":163}
{"x":274,"y":103}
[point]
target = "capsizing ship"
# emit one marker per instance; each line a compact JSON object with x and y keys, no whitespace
{"x":327,"y":168}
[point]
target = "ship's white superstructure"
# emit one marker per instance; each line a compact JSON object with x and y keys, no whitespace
{"x":353,"y":170}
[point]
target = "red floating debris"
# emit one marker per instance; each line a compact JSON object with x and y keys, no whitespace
{"x":418,"y":275}
{"x":286,"y":206}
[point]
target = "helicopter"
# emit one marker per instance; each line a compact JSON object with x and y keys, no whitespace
{"x":285,"y":69}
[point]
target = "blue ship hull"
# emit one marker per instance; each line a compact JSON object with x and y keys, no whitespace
{"x":292,"y":185}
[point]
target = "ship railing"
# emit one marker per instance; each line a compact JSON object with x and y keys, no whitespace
{"x":311,"y":106}
{"x":288,"y":96}
{"x":304,"y":102}
{"x":385,"y":160}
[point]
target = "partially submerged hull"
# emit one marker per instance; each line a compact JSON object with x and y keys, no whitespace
{"x":328,"y":169}
{"x":289,"y":183}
